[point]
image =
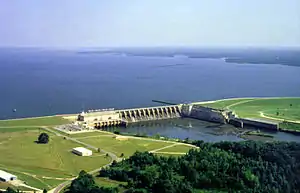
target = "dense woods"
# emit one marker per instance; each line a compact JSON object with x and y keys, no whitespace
{"x":247,"y":166}
{"x":85,"y":183}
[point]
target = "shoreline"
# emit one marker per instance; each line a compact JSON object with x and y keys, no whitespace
{"x":291,"y":130}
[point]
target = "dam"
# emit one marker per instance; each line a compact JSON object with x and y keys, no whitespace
{"x":114,"y":118}
{"x":121,"y":118}
{"x":151,"y":113}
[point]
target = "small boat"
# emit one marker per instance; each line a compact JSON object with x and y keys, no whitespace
{"x":14,"y":110}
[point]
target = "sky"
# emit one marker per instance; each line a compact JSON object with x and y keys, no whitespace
{"x":125,"y":23}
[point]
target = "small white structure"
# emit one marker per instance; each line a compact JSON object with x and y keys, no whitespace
{"x":82,"y":151}
{"x":4,"y":176}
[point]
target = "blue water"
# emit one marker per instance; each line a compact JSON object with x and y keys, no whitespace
{"x":39,"y":82}
{"x":42,"y":82}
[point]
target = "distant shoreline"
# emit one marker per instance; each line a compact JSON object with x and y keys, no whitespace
{"x":231,"y":57}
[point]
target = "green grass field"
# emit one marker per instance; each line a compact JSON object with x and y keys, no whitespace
{"x":16,"y":129}
{"x":32,"y":181}
{"x":39,"y":121}
{"x":88,"y":134}
{"x":127,"y":147}
{"x":54,"y":159}
{"x":278,"y":108}
{"x":4,"y":186}
{"x":286,"y":108}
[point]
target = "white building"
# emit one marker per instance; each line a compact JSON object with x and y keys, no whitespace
{"x":4,"y":176}
{"x":82,"y":151}
{"x":98,"y":116}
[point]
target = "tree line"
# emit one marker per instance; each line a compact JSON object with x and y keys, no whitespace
{"x":247,"y":166}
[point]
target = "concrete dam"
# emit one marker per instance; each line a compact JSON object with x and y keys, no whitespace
{"x":115,"y":118}
{"x":121,"y":118}
{"x":150,"y":114}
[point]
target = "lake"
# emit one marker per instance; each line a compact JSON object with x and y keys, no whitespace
{"x":39,"y":82}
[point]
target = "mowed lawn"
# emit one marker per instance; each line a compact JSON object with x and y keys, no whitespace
{"x":127,"y":147}
{"x":5,"y":185}
{"x":33,"y":181}
{"x":19,"y":153}
{"x":280,"y":108}
{"x":34,"y":122}
{"x":89,"y":134}
{"x":285,"y":108}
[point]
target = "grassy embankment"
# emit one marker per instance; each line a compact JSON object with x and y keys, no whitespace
{"x":33,"y":122}
{"x":47,"y":165}
{"x":284,"y":110}
{"x":128,"y":145}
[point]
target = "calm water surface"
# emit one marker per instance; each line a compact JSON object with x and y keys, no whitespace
{"x":43,"y":82}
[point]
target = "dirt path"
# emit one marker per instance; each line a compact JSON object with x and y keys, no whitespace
{"x":155,"y":150}
{"x":172,"y":153}
{"x":238,"y":103}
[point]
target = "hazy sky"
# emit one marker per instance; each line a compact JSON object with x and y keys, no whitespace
{"x":70,"y":23}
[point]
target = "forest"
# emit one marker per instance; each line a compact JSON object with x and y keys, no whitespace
{"x":248,"y":166}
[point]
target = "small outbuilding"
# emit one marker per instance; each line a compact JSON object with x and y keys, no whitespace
{"x":82,"y":151}
{"x":6,"y":177}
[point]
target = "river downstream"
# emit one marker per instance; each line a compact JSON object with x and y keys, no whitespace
{"x":199,"y":130}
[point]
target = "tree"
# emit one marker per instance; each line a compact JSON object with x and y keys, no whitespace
{"x":43,"y":138}
{"x":186,"y":140}
{"x":122,"y":154}
{"x":157,"y":136}
{"x":84,"y":183}
{"x":44,"y":191}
